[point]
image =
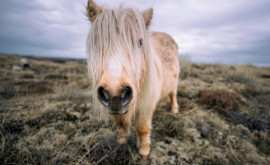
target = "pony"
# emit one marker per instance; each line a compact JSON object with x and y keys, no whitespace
{"x":130,"y":68}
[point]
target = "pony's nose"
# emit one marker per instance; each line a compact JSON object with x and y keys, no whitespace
{"x":115,"y":103}
{"x":126,"y":95}
{"x":103,"y":96}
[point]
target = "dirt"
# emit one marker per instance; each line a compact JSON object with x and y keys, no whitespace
{"x":47,"y":117}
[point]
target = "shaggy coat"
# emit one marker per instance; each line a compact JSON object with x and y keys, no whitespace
{"x":131,"y":69}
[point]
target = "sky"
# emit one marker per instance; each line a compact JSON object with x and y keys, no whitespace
{"x":207,"y":31}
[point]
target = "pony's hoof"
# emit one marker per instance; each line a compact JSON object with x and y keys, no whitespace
{"x":144,"y":157}
{"x":174,"y":110}
{"x":121,"y":140}
{"x":144,"y":153}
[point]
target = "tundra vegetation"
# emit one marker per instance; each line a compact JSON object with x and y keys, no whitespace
{"x":47,"y":117}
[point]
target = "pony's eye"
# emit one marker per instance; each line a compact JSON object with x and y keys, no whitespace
{"x":140,"y":42}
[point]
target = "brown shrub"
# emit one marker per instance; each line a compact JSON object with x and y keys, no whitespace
{"x":27,"y":76}
{"x":56,"y":76}
{"x":250,"y":91}
{"x":221,"y":100}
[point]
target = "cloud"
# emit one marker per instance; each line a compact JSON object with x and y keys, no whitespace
{"x":54,"y":28}
{"x":208,"y":31}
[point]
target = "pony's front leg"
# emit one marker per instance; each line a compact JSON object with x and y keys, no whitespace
{"x":143,"y":129}
{"x":123,"y":134}
{"x":123,"y":126}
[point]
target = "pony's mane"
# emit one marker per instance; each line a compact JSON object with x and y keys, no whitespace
{"x":116,"y":32}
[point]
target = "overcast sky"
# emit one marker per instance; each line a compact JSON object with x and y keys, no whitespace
{"x":208,"y":31}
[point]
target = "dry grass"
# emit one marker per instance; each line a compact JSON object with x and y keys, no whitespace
{"x":47,"y":117}
{"x":185,"y":66}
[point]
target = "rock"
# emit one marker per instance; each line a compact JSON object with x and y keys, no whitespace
{"x":16,"y":68}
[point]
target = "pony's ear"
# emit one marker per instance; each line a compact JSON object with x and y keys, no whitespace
{"x":147,"y":16}
{"x":92,"y":10}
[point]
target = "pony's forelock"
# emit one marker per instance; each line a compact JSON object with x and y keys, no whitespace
{"x":116,"y":32}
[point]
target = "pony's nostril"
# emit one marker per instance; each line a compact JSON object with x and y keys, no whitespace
{"x":103,"y":96}
{"x":126,"y":96}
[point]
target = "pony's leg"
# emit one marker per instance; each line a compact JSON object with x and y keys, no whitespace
{"x":174,"y":104}
{"x":143,"y":129}
{"x":123,"y":135}
{"x":123,"y":126}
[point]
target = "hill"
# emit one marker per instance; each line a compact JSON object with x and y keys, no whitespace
{"x":46,"y":117}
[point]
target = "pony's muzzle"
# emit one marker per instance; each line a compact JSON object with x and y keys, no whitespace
{"x":115,"y":104}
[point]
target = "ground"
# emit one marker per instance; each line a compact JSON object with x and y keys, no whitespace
{"x":47,"y":117}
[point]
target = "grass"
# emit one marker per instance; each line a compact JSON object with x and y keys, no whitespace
{"x":186,"y":65}
{"x":47,"y":117}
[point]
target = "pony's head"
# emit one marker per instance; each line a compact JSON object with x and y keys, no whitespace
{"x":118,"y":55}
